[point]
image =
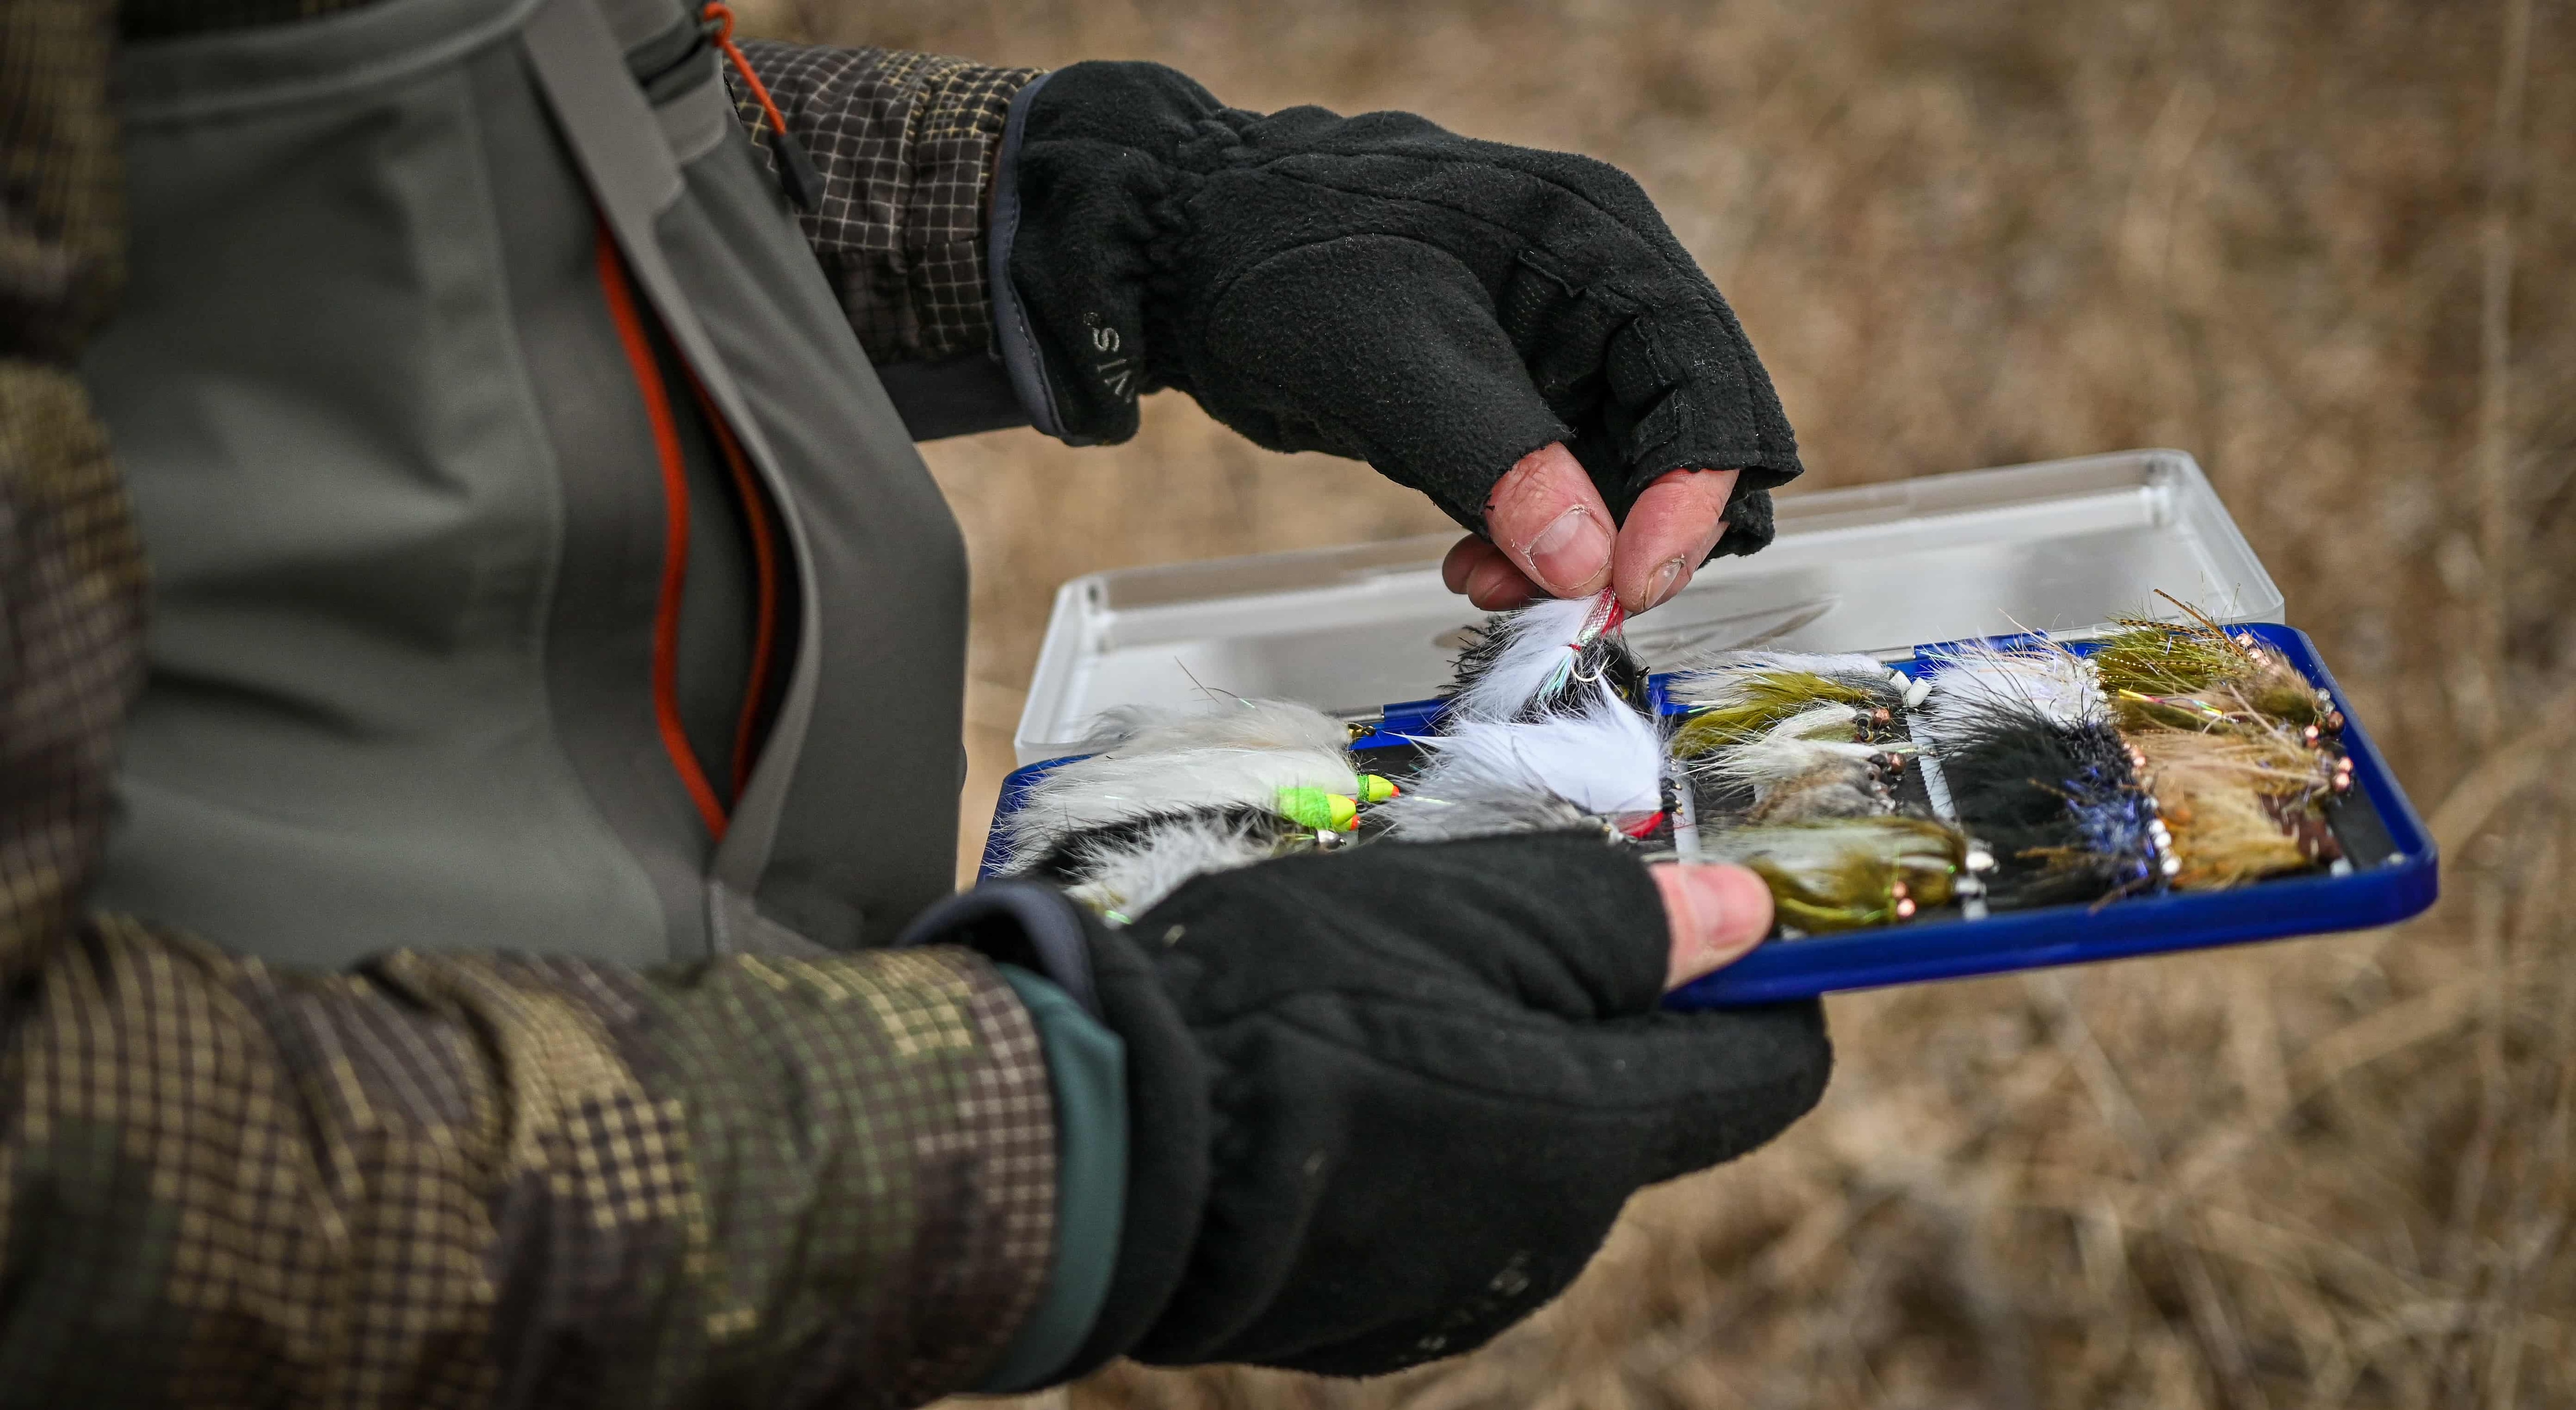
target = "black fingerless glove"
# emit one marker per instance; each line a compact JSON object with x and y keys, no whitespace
{"x":1387,"y":1103}
{"x":1372,"y":287}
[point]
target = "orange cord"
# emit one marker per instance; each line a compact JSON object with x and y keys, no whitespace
{"x":720,"y":15}
{"x":675,"y":540}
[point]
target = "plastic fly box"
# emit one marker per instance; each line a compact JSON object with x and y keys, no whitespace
{"x":1895,"y":571}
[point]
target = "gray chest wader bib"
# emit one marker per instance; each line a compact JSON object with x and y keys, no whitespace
{"x":406,"y":499}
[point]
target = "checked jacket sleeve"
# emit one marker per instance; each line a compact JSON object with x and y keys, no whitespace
{"x":905,"y":143}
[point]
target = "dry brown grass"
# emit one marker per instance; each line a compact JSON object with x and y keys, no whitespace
{"x":2293,"y":238}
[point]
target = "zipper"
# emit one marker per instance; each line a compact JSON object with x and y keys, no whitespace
{"x":764,"y":563}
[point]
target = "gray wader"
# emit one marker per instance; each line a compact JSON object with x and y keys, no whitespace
{"x":443,"y":315}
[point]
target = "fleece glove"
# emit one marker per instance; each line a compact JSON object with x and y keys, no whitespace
{"x":1372,"y":287}
{"x":1386,"y":1103}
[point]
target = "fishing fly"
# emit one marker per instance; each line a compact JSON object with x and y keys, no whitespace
{"x":2012,"y":775}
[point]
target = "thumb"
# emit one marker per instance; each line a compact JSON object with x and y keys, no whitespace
{"x":1716,"y":914}
{"x":1547,"y":515}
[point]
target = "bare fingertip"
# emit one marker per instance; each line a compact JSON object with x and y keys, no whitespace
{"x":1460,"y":562}
{"x":1746,"y":909}
{"x":1716,"y":913}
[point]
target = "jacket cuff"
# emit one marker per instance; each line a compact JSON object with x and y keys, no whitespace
{"x":1170,"y":1149}
{"x":1169,"y":1121}
{"x":1012,"y":337}
{"x":1015,"y":922}
{"x":1086,"y":1073}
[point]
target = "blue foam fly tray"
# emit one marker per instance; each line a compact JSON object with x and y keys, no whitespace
{"x":2390,"y":872}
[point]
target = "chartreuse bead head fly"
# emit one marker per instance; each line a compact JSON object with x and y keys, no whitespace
{"x":1374,"y":789}
{"x":1319,"y":809}
{"x":2153,"y":667}
{"x":2153,"y":658}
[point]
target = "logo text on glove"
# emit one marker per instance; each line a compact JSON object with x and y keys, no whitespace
{"x":1116,"y":372}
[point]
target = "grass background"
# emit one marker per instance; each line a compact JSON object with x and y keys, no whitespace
{"x":2328,"y":248}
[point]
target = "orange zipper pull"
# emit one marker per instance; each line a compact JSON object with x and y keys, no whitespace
{"x":796,"y":173}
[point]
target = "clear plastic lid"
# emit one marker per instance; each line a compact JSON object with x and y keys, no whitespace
{"x":2063,"y":546}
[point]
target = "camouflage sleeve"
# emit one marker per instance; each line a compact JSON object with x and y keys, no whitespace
{"x":461,"y":1179}
{"x":71,"y":569}
{"x":904,"y":143}
{"x":477,"y":1180}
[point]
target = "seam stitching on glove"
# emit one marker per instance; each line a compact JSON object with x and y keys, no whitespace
{"x":1706,"y":291}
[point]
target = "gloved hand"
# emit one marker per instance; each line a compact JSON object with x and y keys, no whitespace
{"x":1384,"y":1104}
{"x":1375,"y":287}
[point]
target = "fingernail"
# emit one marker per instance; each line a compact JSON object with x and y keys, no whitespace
{"x":1569,"y":552}
{"x":1667,"y":581}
